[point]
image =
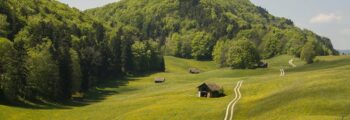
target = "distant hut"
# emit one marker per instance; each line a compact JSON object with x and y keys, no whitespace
{"x":78,"y":96}
{"x":159,"y":80}
{"x":194,"y":71}
{"x":263,"y":65}
{"x":210,"y":90}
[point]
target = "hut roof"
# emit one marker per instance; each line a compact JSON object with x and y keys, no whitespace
{"x":211,"y":86}
{"x":194,"y":70}
{"x":159,"y":79}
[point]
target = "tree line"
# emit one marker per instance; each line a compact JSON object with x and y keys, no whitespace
{"x":50,"y":51}
{"x":196,"y":28}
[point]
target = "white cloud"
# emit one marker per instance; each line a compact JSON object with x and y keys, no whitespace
{"x":325,"y":18}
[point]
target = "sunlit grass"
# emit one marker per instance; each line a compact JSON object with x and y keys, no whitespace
{"x":317,"y":91}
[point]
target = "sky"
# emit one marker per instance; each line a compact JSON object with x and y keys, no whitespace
{"x":328,"y":18}
{"x":86,"y":4}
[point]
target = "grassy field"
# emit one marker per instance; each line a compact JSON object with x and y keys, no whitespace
{"x":320,"y":91}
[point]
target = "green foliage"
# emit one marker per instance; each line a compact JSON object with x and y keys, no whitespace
{"x":126,"y":55}
{"x":191,"y":28}
{"x":6,"y":50}
{"x":202,"y":45}
{"x":157,"y":62}
{"x":115,"y":49}
{"x":242,"y":54}
{"x":14,"y":82}
{"x":180,"y":46}
{"x":291,"y":92}
{"x":43,"y":77}
{"x":146,"y":56}
{"x":3,"y":26}
{"x":308,"y":52}
{"x":58,"y":50}
{"x":237,"y":54}
{"x":198,"y":45}
{"x":296,"y":42}
{"x":83,"y":49}
{"x":220,"y":53}
{"x":272,"y":44}
{"x":76,"y":71}
{"x":141,"y":56}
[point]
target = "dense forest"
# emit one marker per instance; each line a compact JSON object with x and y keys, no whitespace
{"x":197,"y":28}
{"x":50,"y":51}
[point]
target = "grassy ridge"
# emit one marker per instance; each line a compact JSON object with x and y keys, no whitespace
{"x":317,"y":91}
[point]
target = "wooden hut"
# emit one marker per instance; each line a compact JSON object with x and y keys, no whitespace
{"x":78,"y":96}
{"x":159,"y":80}
{"x":194,"y":71}
{"x":210,"y":90}
{"x":263,"y":65}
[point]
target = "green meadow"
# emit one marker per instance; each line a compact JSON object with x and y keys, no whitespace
{"x":319,"y":91}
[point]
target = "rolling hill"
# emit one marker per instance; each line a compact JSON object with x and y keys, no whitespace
{"x":50,"y":51}
{"x":112,"y":54}
{"x":313,"y":92}
{"x":191,"y":28}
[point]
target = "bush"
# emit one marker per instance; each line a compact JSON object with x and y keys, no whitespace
{"x":242,"y":54}
{"x":220,"y":52}
{"x":308,"y":53}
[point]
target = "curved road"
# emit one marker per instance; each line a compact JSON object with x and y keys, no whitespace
{"x":231,"y":105}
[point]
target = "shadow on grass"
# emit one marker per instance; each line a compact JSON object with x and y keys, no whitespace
{"x":107,"y":88}
{"x":94,"y":95}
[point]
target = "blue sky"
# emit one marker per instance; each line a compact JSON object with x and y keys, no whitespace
{"x":329,"y":18}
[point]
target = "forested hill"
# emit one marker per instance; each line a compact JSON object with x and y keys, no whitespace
{"x":50,"y":51}
{"x":191,"y":28}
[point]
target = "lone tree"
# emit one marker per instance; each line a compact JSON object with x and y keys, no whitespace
{"x":308,"y":52}
{"x":242,"y":54}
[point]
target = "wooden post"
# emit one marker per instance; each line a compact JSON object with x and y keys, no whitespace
{"x":282,"y":72}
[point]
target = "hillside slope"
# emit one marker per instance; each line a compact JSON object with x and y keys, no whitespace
{"x":191,"y":28}
{"x":313,"y":92}
{"x":51,"y":51}
{"x":46,"y":44}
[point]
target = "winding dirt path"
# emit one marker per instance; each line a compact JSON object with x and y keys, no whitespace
{"x":231,"y":105}
{"x":291,"y":63}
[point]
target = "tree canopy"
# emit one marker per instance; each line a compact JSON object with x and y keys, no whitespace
{"x":191,"y":28}
{"x":51,"y":51}
{"x":237,"y":54}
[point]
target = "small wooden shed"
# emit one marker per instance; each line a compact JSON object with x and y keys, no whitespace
{"x":194,"y":71}
{"x":210,"y":90}
{"x":159,"y":80}
{"x":78,"y":96}
{"x":263,"y":65}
